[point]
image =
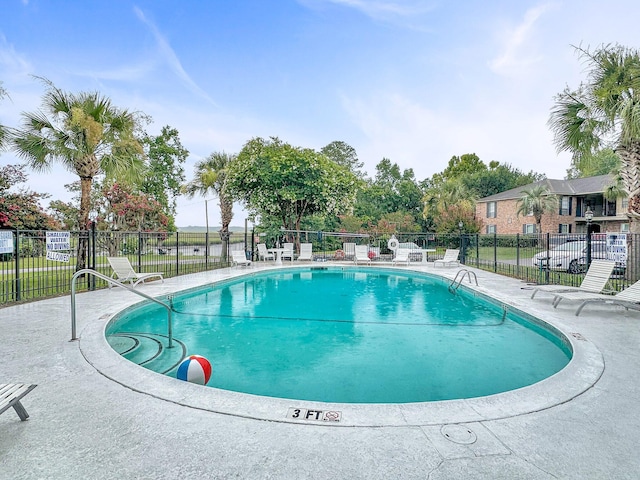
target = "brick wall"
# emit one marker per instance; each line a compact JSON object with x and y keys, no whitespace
{"x":508,"y":222}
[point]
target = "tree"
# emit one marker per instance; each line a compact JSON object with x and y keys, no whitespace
{"x":87,"y":135}
{"x":4,"y":134}
{"x":604,"y":111}
{"x":345,"y":155}
{"x":21,"y":209}
{"x":449,"y":203}
{"x":536,"y":201}
{"x":466,"y":164}
{"x":273,"y":178}
{"x":210,"y":177}
{"x":497,"y":178}
{"x":602,"y":162}
{"x":164,"y":173}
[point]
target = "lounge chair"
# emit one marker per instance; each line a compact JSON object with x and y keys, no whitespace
{"x":306,"y":251}
{"x":349,"y":250}
{"x":402,"y":255}
{"x":288,"y":251}
{"x":124,"y":272}
{"x":594,"y":281}
{"x":10,"y":396}
{"x":627,"y":298}
{"x":450,"y":258}
{"x":263,"y":253}
{"x":361,"y":254}
{"x":239,"y":257}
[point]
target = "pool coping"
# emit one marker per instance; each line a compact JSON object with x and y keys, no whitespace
{"x":580,"y":374}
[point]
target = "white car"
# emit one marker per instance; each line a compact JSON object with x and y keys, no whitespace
{"x":567,"y":257}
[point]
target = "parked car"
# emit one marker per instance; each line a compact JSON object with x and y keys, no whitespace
{"x":568,"y":256}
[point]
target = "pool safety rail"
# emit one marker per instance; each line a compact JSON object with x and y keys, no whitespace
{"x":89,"y":271}
{"x":458,"y":279}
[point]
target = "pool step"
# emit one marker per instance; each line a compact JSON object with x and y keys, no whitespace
{"x":148,"y":350}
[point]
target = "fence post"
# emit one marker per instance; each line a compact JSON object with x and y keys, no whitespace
{"x":518,"y":255}
{"x":16,"y":244}
{"x":495,"y":251}
{"x":548,"y":260}
{"x":177,"y":253}
{"x":92,"y":279}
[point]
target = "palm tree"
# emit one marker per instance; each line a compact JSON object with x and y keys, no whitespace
{"x":536,"y":201}
{"x":3,"y":130}
{"x":87,"y":135}
{"x":210,"y":176}
{"x":605,"y":112}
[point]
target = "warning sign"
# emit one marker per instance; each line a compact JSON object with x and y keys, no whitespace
{"x":57,"y":241}
{"x":58,"y":257}
{"x":314,"y":415}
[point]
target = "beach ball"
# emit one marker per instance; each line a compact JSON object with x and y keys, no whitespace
{"x":195,"y":369}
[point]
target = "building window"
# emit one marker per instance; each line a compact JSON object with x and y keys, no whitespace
{"x":565,"y":206}
{"x":625,"y":204}
{"x":529,"y":228}
{"x":491,"y":210}
{"x":491,"y":229}
{"x":624,"y":227}
{"x":564,"y":228}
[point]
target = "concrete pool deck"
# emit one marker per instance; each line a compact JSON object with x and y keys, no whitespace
{"x":94,"y":415}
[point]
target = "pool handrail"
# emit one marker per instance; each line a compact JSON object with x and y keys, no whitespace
{"x":118,"y":284}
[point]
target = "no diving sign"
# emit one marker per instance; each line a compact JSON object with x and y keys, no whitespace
{"x":307,"y":415}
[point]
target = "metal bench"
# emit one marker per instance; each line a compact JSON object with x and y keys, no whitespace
{"x":10,"y":396}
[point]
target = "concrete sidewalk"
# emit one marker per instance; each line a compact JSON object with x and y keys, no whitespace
{"x":90,"y":418}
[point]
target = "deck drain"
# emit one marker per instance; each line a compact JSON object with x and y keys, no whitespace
{"x":458,"y":434}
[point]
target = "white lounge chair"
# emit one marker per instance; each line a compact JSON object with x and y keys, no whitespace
{"x":349,"y":250}
{"x":306,"y":251}
{"x":402,"y":256}
{"x":450,"y":258}
{"x":361,"y":254}
{"x":240,"y":258}
{"x":627,"y":298}
{"x":263,"y":253}
{"x":288,"y":251}
{"x":594,"y":281}
{"x":124,"y":272}
{"x":10,"y":396}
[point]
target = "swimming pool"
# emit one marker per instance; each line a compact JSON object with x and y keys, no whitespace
{"x":337,"y":334}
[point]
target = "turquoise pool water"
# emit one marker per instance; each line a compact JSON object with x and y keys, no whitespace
{"x":345,"y":335}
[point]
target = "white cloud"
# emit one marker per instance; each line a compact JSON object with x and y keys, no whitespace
{"x":13,"y":64}
{"x":516,"y":51}
{"x":408,"y":133}
{"x":171,"y":58}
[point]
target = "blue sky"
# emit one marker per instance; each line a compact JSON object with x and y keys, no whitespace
{"x":415,"y":81}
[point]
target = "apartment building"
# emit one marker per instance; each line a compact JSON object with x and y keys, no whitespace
{"x":498,"y":212}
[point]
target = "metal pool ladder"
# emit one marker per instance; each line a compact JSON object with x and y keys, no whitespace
{"x":455,"y":284}
{"x":89,"y":271}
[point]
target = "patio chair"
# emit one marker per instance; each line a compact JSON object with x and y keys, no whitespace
{"x":10,"y":396}
{"x":627,"y":298}
{"x":263,"y":253}
{"x":239,"y":257}
{"x":349,"y":250}
{"x":361,"y":254}
{"x":594,"y":281}
{"x":402,"y":255}
{"x":306,"y":251}
{"x":288,"y":251}
{"x":124,"y":272}
{"x":450,"y":258}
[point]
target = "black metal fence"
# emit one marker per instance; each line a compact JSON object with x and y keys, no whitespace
{"x":27,"y":274}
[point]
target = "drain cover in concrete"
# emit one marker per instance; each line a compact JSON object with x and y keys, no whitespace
{"x":458,"y":434}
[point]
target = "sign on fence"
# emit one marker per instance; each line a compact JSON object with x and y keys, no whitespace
{"x":58,"y":257}
{"x":56,"y":242}
{"x":617,"y":248}
{"x":6,"y":241}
